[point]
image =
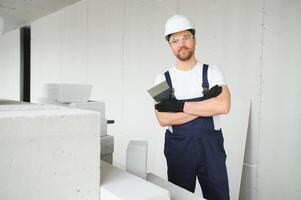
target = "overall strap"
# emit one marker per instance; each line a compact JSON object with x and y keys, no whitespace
{"x":205,"y":83}
{"x":168,"y":79}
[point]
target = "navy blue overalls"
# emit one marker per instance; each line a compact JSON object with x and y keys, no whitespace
{"x":196,"y":149}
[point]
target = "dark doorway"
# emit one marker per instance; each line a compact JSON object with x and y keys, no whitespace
{"x":25,"y":64}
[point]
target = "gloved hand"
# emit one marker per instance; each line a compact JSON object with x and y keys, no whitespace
{"x":170,"y":105}
{"x":213,"y":92}
{"x":174,"y":105}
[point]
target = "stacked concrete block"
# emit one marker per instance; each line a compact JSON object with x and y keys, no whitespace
{"x":107,"y":141}
{"x":88,"y":105}
{"x":49,"y":152}
{"x":107,"y":148}
{"x":76,"y":96}
{"x":67,"y":93}
{"x":95,"y":106}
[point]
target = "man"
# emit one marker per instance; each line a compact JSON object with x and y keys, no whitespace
{"x":193,"y":141}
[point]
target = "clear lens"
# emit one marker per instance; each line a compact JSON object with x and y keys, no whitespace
{"x":176,"y":41}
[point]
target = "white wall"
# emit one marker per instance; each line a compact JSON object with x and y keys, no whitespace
{"x":118,"y":46}
{"x":279,"y":161}
{"x":10,"y":65}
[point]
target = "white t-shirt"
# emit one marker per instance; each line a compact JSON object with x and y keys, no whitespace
{"x":188,"y":84}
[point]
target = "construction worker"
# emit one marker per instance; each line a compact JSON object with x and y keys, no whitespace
{"x":193,"y":140}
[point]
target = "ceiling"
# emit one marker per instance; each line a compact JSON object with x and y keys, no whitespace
{"x":17,"y":13}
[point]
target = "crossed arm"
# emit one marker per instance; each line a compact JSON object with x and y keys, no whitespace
{"x":210,"y":107}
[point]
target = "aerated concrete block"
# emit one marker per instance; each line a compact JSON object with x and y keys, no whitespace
{"x":67,"y":93}
{"x":136,"y":158}
{"x":49,"y":152}
{"x":89,"y":105}
{"x":107,"y":148}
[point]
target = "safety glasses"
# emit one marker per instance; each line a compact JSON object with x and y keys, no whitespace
{"x":178,"y":40}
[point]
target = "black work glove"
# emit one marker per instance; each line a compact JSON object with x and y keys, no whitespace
{"x":174,"y":105}
{"x":170,"y":105}
{"x":213,"y":92}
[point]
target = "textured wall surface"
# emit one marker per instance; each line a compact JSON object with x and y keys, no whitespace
{"x":10,"y":65}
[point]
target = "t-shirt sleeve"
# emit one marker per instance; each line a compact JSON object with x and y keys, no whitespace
{"x":215,"y":76}
{"x":159,"y":79}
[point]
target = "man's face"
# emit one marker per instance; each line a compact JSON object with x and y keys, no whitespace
{"x":182,"y":45}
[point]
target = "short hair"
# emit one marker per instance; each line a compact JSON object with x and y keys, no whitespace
{"x":192,"y":31}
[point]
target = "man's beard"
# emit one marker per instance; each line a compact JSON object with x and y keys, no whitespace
{"x":188,"y":54}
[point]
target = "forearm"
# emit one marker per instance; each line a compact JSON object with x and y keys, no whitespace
{"x":210,"y":107}
{"x":205,"y":108}
{"x":168,"y":118}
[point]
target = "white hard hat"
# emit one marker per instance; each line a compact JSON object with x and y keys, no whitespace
{"x":177,"y":23}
